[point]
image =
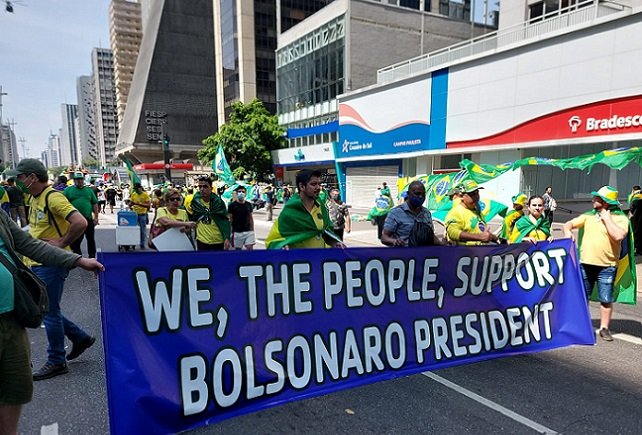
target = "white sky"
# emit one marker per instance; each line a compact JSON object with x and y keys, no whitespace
{"x":44,"y":46}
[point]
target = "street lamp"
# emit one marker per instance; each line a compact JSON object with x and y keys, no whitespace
{"x":1,"y":94}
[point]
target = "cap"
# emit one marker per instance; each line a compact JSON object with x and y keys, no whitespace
{"x":28,"y":166}
{"x":608,"y":194}
{"x":520,"y":199}
{"x":78,"y":176}
{"x":469,"y":186}
{"x":454,"y":191}
{"x":240,"y":186}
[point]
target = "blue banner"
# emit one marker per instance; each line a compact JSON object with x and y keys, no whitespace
{"x":195,"y":338}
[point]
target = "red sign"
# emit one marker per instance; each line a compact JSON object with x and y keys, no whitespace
{"x":150,"y":166}
{"x":604,"y":118}
{"x":278,"y":172}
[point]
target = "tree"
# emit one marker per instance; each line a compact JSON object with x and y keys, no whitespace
{"x":90,"y":162}
{"x":247,"y":139}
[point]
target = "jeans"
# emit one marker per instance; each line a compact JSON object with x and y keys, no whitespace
{"x":89,"y":234}
{"x":142,"y":223}
{"x":57,"y":325}
{"x":604,"y":276}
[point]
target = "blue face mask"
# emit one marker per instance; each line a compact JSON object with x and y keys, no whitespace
{"x":240,"y":195}
{"x":416,"y":201}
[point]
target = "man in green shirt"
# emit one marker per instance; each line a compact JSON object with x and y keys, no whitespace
{"x":85,"y":201}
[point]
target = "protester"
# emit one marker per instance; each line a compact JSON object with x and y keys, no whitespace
{"x":61,"y":183}
{"x":304,"y":221}
{"x":269,"y":202}
{"x":53,"y":219}
{"x":378,"y":213}
{"x":550,"y":205}
{"x":635,"y":209}
{"x":84,"y":200}
{"x":210,"y":214}
{"x":170,"y":215}
{"x":157,"y":199}
{"x":141,"y":203}
{"x":513,"y":215}
{"x":16,"y":383}
{"x":286,"y":194}
{"x":602,"y":231}
{"x":16,"y":203}
{"x":110,"y":197}
{"x":464,"y":222}
{"x":410,"y":224}
{"x":240,"y":213}
{"x":385,"y":190}
{"x":339,"y":214}
{"x":533,"y":227}
{"x":101,"y":199}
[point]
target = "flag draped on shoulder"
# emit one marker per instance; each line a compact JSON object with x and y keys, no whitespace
{"x":221,"y":168}
{"x":625,"y":285}
{"x":133,"y":176}
{"x":295,"y":225}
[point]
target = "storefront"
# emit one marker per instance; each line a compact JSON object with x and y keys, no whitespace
{"x":288,"y":161}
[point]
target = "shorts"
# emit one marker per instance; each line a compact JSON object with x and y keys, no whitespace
{"x":245,"y":238}
{"x":604,"y":276}
{"x":16,"y":382}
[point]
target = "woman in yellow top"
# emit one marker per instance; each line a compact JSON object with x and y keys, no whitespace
{"x":171,"y":216}
{"x":532,"y":227}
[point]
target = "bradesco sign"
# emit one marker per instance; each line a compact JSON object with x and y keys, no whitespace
{"x":604,"y":118}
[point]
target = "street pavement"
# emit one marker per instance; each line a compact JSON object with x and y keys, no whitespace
{"x":574,"y":390}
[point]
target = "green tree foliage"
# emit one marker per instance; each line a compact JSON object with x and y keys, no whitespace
{"x":238,"y":172}
{"x":90,"y":162}
{"x":57,"y":170}
{"x":247,"y":139}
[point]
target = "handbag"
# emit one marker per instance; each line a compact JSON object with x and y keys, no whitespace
{"x":30,"y":300}
{"x":421,"y":234}
{"x":154,"y":231}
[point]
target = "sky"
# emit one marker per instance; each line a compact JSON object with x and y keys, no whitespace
{"x":44,"y":46}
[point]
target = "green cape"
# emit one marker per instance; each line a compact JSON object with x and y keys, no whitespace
{"x":295,"y":224}
{"x":525,"y":226}
{"x":216,"y":212}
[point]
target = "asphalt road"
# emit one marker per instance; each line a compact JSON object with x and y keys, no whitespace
{"x":594,"y":389}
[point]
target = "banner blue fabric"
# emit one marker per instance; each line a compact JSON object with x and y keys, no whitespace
{"x":195,"y":338}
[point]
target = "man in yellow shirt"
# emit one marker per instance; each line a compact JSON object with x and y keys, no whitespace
{"x":604,"y":228}
{"x":54,"y":220}
{"x":464,"y":223}
{"x":141,"y":203}
{"x":209,"y":212}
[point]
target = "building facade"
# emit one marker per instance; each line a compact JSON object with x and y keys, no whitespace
{"x":557,"y":85}
{"x":87,"y":141}
{"x":126,"y":32}
{"x":68,"y":144}
{"x":8,"y":146}
{"x":105,"y":104}
{"x":51,"y":156}
{"x":340,"y":48}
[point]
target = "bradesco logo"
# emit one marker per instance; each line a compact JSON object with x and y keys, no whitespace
{"x":599,"y":124}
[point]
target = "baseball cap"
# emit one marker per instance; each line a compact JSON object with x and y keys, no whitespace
{"x":27,"y":166}
{"x":608,"y":194}
{"x":469,"y":186}
{"x":520,"y":199}
{"x":78,"y":176}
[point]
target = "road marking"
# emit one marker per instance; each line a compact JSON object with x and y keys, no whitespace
{"x":629,"y":338}
{"x":489,"y":403}
{"x":51,"y":429}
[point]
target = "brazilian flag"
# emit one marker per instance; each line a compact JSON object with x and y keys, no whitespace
{"x":133,"y":176}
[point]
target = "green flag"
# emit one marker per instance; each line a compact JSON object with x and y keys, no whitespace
{"x":133,"y":176}
{"x":221,"y":168}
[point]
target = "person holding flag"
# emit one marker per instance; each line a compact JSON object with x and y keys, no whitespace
{"x":209,"y":212}
{"x":464,"y":222}
{"x":512,"y":216}
{"x":533,"y":227}
{"x":304,"y":221}
{"x":605,"y":247}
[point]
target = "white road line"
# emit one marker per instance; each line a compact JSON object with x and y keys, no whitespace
{"x":489,"y":403}
{"x":629,"y":338}
{"x":51,"y":429}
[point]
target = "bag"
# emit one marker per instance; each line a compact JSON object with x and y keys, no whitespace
{"x":421,"y":234}
{"x":154,"y":231}
{"x":30,"y":300}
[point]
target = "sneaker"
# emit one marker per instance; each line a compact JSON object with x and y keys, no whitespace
{"x":78,"y":348}
{"x":49,"y":371}
{"x":605,"y":334}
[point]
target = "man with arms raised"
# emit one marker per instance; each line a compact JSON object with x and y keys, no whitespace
{"x":304,"y":222}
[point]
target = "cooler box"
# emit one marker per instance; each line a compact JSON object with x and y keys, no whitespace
{"x":127,"y":236}
{"x":127,"y":218}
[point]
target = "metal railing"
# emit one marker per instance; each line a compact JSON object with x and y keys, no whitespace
{"x":580,"y":13}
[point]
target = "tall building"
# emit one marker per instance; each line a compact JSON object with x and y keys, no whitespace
{"x":8,"y":146}
{"x":292,"y":12}
{"x":126,"y":32}
{"x":105,"y":101}
{"x":52,"y":153}
{"x":68,"y":144}
{"x":87,"y":141}
{"x":173,"y":90}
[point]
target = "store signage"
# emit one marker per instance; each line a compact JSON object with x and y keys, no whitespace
{"x":604,"y":118}
{"x":153,"y":124}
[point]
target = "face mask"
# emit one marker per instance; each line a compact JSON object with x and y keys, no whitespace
{"x":335,"y":197}
{"x":23,"y":186}
{"x":416,"y":201}
{"x":240,"y":195}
